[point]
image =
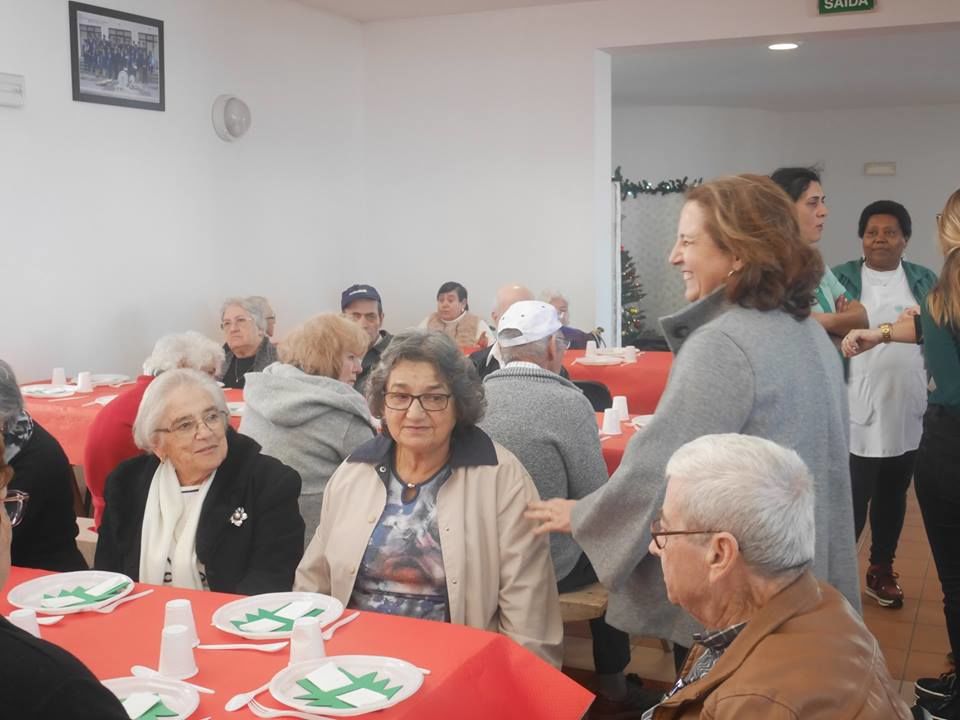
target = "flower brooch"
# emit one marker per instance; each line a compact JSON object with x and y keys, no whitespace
{"x":238,"y":517}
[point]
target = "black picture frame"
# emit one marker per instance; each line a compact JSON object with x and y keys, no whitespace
{"x":116,"y":58}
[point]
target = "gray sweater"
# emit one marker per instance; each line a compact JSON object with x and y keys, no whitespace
{"x":308,"y":422}
{"x":550,"y":426}
{"x":736,"y":370}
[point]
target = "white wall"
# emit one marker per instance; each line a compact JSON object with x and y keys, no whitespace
{"x":483,"y":132}
{"x":712,"y":141}
{"x":118,"y":225}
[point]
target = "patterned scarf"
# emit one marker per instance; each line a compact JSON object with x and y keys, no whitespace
{"x":16,"y":434}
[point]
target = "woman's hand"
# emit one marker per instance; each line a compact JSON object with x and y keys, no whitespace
{"x":859,"y":341}
{"x":552,"y":515}
{"x":909,"y":313}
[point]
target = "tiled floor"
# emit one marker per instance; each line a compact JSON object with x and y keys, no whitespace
{"x":913,"y":638}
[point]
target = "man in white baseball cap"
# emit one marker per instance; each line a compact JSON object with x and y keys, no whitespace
{"x":548,"y":423}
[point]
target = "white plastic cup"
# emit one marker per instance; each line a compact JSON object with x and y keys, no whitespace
{"x":26,"y":619}
{"x":591,"y":348}
{"x":306,"y":641}
{"x":630,"y":353}
{"x":84,"y":382}
{"x":176,"y":653}
{"x":620,"y":405}
{"x":611,"y":422}
{"x":59,"y":377}
{"x":180,"y":612}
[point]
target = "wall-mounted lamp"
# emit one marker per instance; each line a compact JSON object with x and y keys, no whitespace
{"x":12,"y":89}
{"x":231,"y":117}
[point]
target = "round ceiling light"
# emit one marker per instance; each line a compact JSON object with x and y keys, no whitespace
{"x":783,"y":46}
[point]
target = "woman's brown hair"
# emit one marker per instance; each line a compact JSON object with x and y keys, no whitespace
{"x":317,"y":346}
{"x":943,"y":300}
{"x":755,"y":221}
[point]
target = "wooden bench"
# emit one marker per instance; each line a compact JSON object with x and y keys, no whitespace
{"x":583,"y":604}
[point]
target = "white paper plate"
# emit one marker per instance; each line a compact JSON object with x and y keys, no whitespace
{"x":48,"y":391}
{"x":600,"y":360}
{"x":284,"y":686}
{"x":108,"y":379}
{"x":31,"y":593}
{"x":619,"y":351}
{"x":238,"y":610}
{"x":177,"y":696}
{"x":236,"y":408}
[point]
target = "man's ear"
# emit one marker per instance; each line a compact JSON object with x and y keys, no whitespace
{"x":723,"y":550}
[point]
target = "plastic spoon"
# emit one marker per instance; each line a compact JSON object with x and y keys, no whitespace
{"x":241,"y":700}
{"x":328,"y":632}
{"x":262,"y":647}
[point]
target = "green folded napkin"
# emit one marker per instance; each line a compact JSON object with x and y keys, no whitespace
{"x":285,"y":623}
{"x":84,"y":597}
{"x":331,"y":698}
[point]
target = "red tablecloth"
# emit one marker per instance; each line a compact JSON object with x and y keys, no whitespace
{"x":474,"y":674}
{"x":68,"y":419}
{"x":613,"y":446}
{"x":641,"y":382}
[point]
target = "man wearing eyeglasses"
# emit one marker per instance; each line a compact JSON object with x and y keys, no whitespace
{"x":550,"y":426}
{"x":39,"y":680}
{"x":736,"y":540}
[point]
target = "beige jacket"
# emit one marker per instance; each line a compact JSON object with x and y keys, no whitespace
{"x":499,"y":575}
{"x":805,"y":656}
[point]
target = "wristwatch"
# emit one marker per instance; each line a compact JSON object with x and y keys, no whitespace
{"x":886,"y":332}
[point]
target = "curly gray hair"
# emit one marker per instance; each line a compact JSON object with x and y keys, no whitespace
{"x":185,"y":350}
{"x":440,"y":351}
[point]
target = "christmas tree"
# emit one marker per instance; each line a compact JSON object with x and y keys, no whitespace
{"x":631,"y":293}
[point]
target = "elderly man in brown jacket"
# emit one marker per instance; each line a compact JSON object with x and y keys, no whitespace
{"x":736,"y":539}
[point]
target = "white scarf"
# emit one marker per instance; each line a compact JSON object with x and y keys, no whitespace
{"x":160,"y":518}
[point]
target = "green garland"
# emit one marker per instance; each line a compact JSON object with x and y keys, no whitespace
{"x":644,"y":187}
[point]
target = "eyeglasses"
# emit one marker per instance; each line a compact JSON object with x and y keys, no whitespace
{"x":213,"y":419}
{"x":14,"y":503}
{"x":658,"y":533}
{"x":238,"y":323}
{"x":431,"y":402}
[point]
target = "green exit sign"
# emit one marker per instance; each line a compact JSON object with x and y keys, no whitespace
{"x":828,"y":7}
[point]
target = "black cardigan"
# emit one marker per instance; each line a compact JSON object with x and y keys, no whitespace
{"x":46,"y":537}
{"x":258,"y":555}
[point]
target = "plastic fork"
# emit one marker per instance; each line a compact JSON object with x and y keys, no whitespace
{"x":265,"y":712}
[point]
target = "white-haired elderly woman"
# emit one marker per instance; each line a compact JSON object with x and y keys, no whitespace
{"x":246,"y":345}
{"x":426,"y":520}
{"x":205,"y":509}
{"x":110,"y":437}
{"x":576,"y":339}
{"x":736,"y":539}
{"x":46,"y":536}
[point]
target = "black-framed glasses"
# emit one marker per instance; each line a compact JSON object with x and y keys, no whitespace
{"x":430,"y":402}
{"x":658,"y":533}
{"x":14,"y":503}
{"x":187,"y":428}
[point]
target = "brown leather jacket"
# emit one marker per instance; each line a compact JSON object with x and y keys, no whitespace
{"x":805,"y":656}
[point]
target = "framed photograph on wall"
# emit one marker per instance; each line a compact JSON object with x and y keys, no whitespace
{"x":116,"y":58}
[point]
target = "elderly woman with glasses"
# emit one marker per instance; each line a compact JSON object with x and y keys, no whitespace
{"x":204,"y":509}
{"x":426,"y":520}
{"x":246,"y":344}
{"x":46,"y":537}
{"x":110,"y":436}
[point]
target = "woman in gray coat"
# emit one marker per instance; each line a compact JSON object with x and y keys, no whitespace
{"x":304,"y":411}
{"x":748,"y":359}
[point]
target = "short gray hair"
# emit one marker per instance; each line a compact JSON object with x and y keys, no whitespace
{"x":154,"y":402}
{"x":535,"y":352}
{"x":184,"y":350}
{"x":548,"y":295}
{"x":758,"y":491}
{"x":440,"y":351}
{"x":251,"y":307}
{"x":11,"y":401}
{"x":265,"y":307}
